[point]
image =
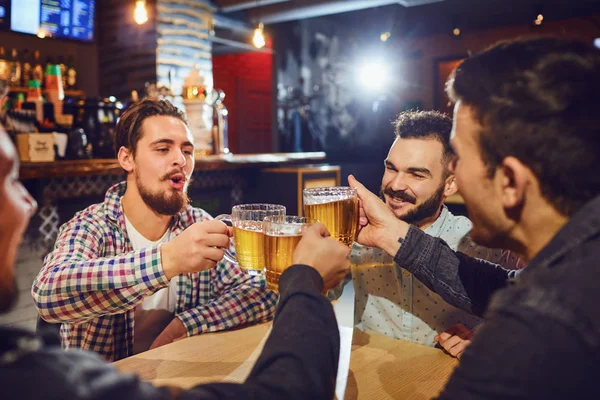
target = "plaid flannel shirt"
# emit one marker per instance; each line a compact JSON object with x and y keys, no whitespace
{"x":92,"y":281}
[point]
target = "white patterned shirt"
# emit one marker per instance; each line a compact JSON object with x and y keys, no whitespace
{"x":391,"y":302}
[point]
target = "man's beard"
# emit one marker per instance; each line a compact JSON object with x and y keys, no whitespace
{"x":162,"y":203}
{"x":8,"y":296}
{"x":425,"y":210}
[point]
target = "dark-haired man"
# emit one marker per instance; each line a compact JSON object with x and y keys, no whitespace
{"x":144,"y":268}
{"x":526,"y":129}
{"x":417,"y":180}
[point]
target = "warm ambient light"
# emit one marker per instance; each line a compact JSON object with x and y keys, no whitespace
{"x":456,"y":31}
{"x":539,"y":19}
{"x":259,"y":38}
{"x":140,"y":15}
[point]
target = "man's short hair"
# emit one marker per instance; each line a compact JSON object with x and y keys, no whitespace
{"x":129,"y":127}
{"x":538,"y":99}
{"x":427,"y":125}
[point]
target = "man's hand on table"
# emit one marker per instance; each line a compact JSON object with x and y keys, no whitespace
{"x":174,"y":331}
{"x":455,"y":340}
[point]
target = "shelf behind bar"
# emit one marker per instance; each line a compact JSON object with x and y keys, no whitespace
{"x":69,"y":93}
{"x":69,"y":168}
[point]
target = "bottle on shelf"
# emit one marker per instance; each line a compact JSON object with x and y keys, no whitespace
{"x":38,"y":69}
{"x":71,"y":74}
{"x":4,"y":68}
{"x":63,"y":71}
{"x":14,"y":67}
{"x":19,"y":100}
{"x":54,"y":90}
{"x":26,"y":69}
{"x":34,"y":95}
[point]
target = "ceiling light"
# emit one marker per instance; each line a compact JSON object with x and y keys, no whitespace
{"x":140,"y":14}
{"x":385,"y":36}
{"x":259,"y":38}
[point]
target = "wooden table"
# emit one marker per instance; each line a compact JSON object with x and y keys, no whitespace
{"x":380,"y":367}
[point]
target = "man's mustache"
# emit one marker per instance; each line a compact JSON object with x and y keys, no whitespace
{"x":169,"y":174}
{"x":399,"y":195}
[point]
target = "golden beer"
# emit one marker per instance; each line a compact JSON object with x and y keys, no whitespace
{"x":340,"y":217}
{"x":278,"y":256}
{"x":248,"y":236}
{"x":249,"y":245}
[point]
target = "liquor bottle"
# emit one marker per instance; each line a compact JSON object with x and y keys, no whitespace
{"x":14,"y":68}
{"x":4,"y":70}
{"x":63,"y":70}
{"x":26,"y":69}
{"x":71,"y":74}
{"x":38,"y":69}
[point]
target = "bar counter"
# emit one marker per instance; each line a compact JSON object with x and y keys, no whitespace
{"x":62,"y":188}
{"x":60,"y":169}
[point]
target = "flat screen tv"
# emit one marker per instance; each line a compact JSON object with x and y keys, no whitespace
{"x":69,"y":19}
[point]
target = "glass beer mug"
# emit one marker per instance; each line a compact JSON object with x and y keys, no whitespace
{"x":335,"y":207}
{"x":248,"y":236}
{"x":282,"y":234}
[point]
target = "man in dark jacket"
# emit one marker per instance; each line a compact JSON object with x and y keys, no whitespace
{"x":527,"y":136}
{"x":299,"y":360}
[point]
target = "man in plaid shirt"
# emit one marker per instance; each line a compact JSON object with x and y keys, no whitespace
{"x":144,"y":268}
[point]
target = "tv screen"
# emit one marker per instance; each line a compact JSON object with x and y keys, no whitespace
{"x":72,"y":19}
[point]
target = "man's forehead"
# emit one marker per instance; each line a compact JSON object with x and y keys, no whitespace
{"x":165,"y":127}
{"x":420,"y":147}
{"x":464,"y":124}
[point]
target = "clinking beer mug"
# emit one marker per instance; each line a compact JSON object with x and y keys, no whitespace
{"x":336,"y":208}
{"x":248,"y":236}
{"x":282,"y":235}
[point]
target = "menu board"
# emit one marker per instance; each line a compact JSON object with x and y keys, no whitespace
{"x":4,"y":15}
{"x":73,"y":19}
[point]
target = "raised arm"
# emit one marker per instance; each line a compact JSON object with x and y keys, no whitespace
{"x":77,"y":283}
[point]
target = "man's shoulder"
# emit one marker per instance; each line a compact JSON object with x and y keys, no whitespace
{"x":94,"y":217}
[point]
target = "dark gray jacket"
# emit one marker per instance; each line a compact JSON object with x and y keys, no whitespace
{"x":541,"y":335}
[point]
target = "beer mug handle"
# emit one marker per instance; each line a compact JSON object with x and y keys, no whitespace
{"x":226,"y":218}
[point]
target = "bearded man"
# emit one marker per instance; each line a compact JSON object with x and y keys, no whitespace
{"x":144,"y":267}
{"x":415,"y":184}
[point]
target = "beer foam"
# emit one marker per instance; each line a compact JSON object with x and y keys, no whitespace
{"x":290,"y":229}
{"x":253,"y":226}
{"x":329,"y":198}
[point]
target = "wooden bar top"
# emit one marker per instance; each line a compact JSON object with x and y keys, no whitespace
{"x":57,"y":169}
{"x":380,"y":367}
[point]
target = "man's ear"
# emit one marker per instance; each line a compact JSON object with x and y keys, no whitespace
{"x":125,"y":157}
{"x":450,"y":187}
{"x":514,"y":179}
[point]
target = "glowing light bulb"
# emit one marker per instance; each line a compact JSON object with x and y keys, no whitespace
{"x":140,"y":15}
{"x":259,"y":38}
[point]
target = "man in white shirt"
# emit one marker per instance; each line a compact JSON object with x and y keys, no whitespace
{"x":388,"y":299}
